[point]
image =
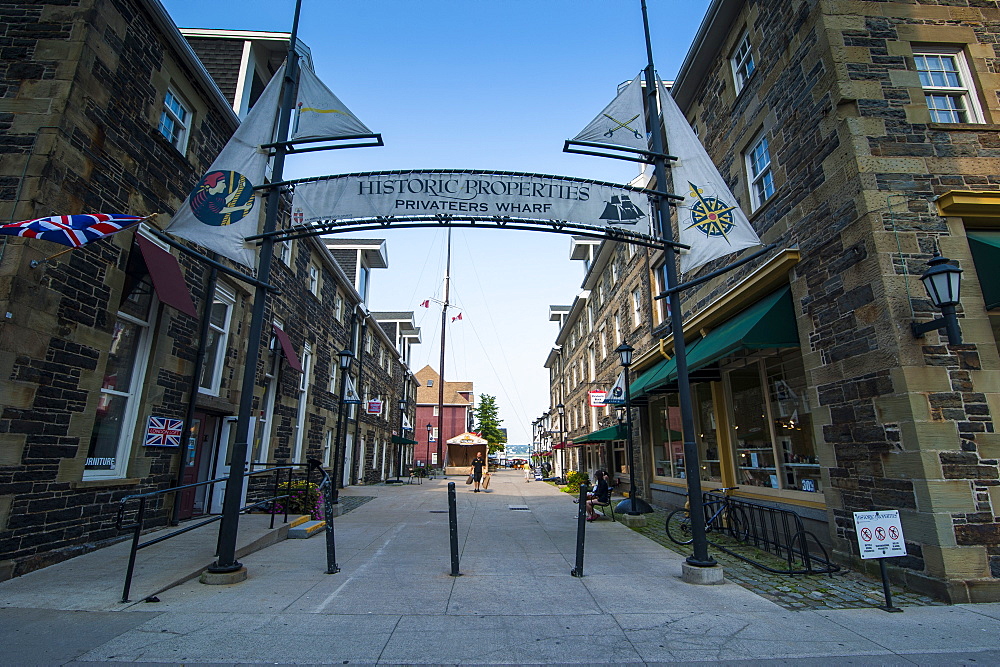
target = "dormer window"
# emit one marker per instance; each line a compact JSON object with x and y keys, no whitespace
{"x":430,"y":383}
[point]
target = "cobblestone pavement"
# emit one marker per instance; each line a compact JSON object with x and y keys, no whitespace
{"x":842,"y":590}
{"x":348,"y":503}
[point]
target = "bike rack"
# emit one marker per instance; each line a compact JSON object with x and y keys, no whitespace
{"x":776,"y":531}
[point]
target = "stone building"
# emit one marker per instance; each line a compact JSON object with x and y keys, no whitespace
{"x":104,"y":107}
{"x":861,"y":138}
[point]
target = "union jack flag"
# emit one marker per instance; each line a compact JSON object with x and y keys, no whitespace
{"x":71,"y":230}
{"x":163,"y":432}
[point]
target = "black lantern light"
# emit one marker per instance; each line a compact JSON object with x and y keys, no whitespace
{"x":942,"y":280}
{"x":346,"y":357}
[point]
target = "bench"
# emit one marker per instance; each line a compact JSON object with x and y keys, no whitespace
{"x":413,"y":474}
{"x":604,"y":507}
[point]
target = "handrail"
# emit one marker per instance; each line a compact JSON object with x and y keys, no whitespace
{"x":774,"y":530}
{"x":141,"y":514}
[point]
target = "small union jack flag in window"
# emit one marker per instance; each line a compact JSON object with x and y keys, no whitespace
{"x":71,"y":230}
{"x":164,"y":432}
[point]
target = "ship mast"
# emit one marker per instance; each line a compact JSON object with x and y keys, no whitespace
{"x":444,"y":321}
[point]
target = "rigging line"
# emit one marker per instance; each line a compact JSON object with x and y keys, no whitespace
{"x":420,"y":277}
{"x":479,"y":283}
{"x":518,"y":414}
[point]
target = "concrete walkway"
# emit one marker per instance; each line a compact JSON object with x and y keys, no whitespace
{"x":515,"y":603}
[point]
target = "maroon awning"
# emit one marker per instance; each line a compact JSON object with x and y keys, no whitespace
{"x":559,"y":445}
{"x":286,"y":348}
{"x":166,"y":275}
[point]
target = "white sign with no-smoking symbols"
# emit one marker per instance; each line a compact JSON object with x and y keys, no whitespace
{"x":880,"y":534}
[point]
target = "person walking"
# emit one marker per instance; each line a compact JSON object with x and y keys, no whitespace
{"x":478,"y":464}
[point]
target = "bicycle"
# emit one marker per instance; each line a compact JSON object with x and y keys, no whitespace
{"x":727,"y":517}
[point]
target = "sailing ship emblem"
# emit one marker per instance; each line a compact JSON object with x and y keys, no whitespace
{"x":710,"y":216}
{"x":620,"y":210}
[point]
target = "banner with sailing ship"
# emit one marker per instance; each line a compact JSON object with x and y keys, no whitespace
{"x":470,"y":194}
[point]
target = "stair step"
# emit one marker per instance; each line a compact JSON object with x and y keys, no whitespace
{"x":306,"y":530}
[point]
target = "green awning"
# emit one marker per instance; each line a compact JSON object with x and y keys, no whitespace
{"x":985,"y":247}
{"x":616,"y":432}
{"x":769,"y":323}
{"x":396,"y":440}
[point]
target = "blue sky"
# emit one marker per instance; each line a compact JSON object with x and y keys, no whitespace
{"x":477,"y":85}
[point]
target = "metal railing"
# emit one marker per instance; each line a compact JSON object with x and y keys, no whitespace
{"x":773,"y":530}
{"x":140,"y":515}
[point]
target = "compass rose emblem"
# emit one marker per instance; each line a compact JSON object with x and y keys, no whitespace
{"x":710,"y":216}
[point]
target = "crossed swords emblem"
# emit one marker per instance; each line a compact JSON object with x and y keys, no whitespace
{"x":620,"y":125}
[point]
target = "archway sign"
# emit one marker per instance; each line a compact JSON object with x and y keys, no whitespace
{"x":503,"y":199}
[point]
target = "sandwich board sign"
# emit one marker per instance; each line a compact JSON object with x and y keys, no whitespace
{"x":880,"y":534}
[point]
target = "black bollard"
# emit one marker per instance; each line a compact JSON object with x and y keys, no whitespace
{"x":453,"y":529}
{"x":581,"y":532}
{"x":326,"y":488}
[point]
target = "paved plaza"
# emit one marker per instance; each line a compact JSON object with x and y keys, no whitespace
{"x":394,"y":601}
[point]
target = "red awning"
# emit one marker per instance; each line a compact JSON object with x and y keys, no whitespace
{"x":559,"y":445}
{"x":286,"y":348}
{"x":167,"y":278}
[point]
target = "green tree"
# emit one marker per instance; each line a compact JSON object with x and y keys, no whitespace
{"x":488,"y":423}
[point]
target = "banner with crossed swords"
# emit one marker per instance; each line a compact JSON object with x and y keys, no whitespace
{"x":621,"y":122}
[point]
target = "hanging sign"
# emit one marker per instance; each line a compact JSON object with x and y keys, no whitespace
{"x":597,"y":398}
{"x":374,"y":407}
{"x":880,"y":534}
{"x":470,"y":194}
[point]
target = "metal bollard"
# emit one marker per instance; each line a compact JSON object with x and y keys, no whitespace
{"x":453,"y":529}
{"x":581,"y":532}
{"x":326,"y":488}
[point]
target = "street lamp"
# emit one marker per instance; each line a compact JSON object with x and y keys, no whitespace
{"x":430,"y":429}
{"x":635,"y":506}
{"x":942,"y":280}
{"x":402,"y":434}
{"x":561,"y":409}
{"x":345,"y":357}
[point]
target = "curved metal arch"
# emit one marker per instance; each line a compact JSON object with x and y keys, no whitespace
{"x":394,"y":172}
{"x":477,"y":222}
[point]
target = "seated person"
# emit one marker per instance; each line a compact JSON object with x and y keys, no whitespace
{"x":600,"y":495}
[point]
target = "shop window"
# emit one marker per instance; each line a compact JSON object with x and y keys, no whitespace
{"x":618,"y":457}
{"x":175,"y":120}
{"x":118,"y":406}
{"x":216,"y":344}
{"x":771,"y":426}
{"x":668,"y":443}
{"x":706,"y":432}
{"x":947,"y":83}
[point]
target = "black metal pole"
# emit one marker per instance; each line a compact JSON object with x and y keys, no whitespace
{"x":139,"y":518}
{"x":885,"y":588}
{"x":226,"y":561}
{"x":692,"y":467}
{"x":356,"y":448}
{"x":581,"y":531}
{"x":628,"y":447}
{"x":444,"y":321}
{"x":453,"y":529}
{"x":338,"y":460}
{"x":326,"y":486}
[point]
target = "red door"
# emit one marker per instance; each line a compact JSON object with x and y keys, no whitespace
{"x":197,"y":460}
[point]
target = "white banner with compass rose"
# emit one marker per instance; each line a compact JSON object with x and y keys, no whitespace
{"x":711,"y":221}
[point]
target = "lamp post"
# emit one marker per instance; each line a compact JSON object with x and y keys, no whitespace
{"x":430,"y":429}
{"x":403,"y":403}
{"x":942,"y":280}
{"x":561,"y":409}
{"x":635,"y":507}
{"x":344,"y":359}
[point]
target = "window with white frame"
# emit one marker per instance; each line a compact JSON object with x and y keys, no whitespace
{"x":175,"y":120}
{"x":334,"y":371}
{"x":658,"y":288}
{"x":338,"y":307}
{"x":436,"y":410}
{"x":618,"y":330}
{"x":636,"y":307}
{"x":947,"y":83}
{"x":759,"y":174}
{"x":314,"y":279}
{"x":602,"y":336}
{"x":742,"y":62}
{"x":328,"y":445}
{"x":301,"y":423}
{"x":218,"y":339}
{"x":284,"y":251}
{"x":117,"y":408}
{"x":614,"y":272}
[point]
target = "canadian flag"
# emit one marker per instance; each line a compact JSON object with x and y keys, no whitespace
{"x":426,"y":304}
{"x":457,"y":317}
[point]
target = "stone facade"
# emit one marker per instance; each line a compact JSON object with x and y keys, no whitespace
{"x":82,"y":88}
